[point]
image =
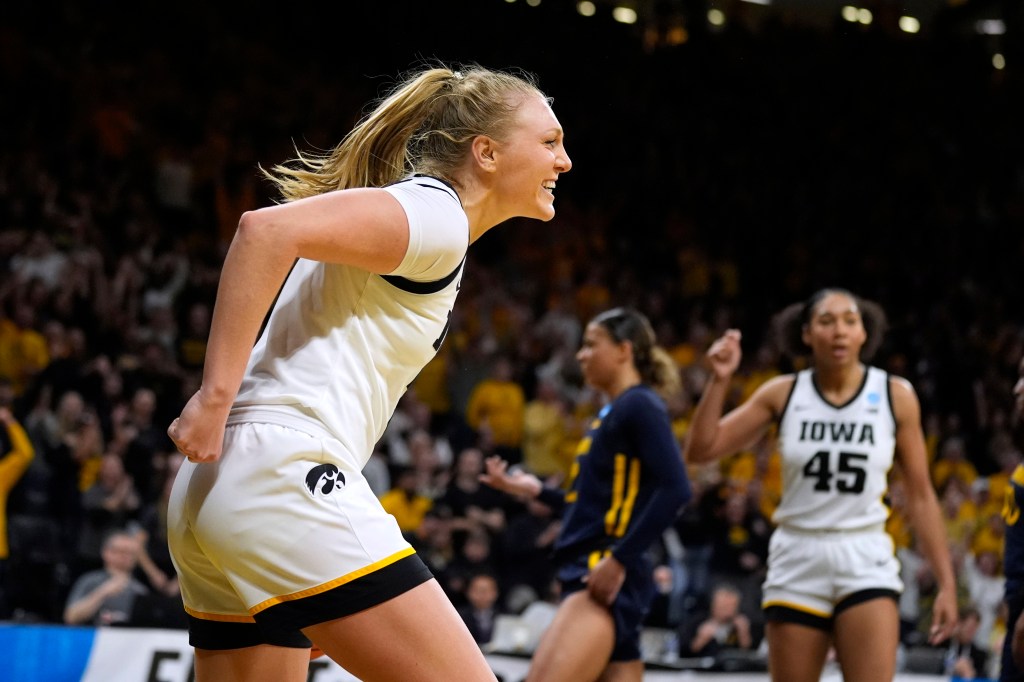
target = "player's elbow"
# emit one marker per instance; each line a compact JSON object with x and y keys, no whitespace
{"x":698,"y":453}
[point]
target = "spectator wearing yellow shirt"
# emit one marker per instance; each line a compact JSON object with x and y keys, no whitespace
{"x":495,"y":411}
{"x":432,"y":387}
{"x":12,"y":467}
{"x":23,"y":351}
{"x":959,"y":515}
{"x":897,"y":525}
{"x":952,"y":462}
{"x":405,"y":502}
{"x":990,"y":535}
{"x":765,"y":365}
{"x":545,"y":431}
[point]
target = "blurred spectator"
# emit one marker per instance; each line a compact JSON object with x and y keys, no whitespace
{"x":190,"y":344}
{"x":526,"y":546}
{"x":161,"y":607}
{"x":472,"y":505}
{"x":959,"y":514}
{"x":432,"y":475}
{"x":39,"y":258}
{"x":473,"y":556}
{"x":983,"y":582}
{"x":18,"y":454}
{"x":495,"y":411}
{"x":412,"y":415}
{"x":23,"y":349}
{"x":739,"y":549}
{"x":108,"y":504}
{"x":377,"y":472}
{"x":966,"y":660}
{"x":724,"y":626}
{"x":481,"y":607}
{"x":914,"y":572}
{"x":696,"y":526}
{"x":146,"y":451}
{"x":952,"y":462}
{"x":155,"y":567}
{"x":404,"y":501}
{"x":106,"y":596}
{"x":545,"y":419}
{"x":432,"y":540}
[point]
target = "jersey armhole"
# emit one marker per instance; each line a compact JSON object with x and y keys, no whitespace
{"x":789,"y":397}
{"x":413,"y":287}
{"x":892,"y":403}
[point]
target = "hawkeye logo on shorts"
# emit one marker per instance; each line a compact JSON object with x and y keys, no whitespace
{"x":326,"y":478}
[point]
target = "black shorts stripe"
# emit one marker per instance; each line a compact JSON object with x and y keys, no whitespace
{"x":786,"y":614}
{"x":281,"y":624}
{"x":863,"y":596}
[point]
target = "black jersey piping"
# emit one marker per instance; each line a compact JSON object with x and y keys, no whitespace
{"x":423,"y":288}
{"x":413,"y":287}
{"x":789,"y":397}
{"x":856,"y":394}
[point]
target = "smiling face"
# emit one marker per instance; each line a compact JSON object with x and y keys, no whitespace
{"x":529,"y":161}
{"x":835,"y":331}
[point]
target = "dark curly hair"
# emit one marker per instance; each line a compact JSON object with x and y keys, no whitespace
{"x":790,"y":322}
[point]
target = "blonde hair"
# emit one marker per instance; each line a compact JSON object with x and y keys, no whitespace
{"x":425,"y":124}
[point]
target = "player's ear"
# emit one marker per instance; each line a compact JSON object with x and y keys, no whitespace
{"x":483,"y":150}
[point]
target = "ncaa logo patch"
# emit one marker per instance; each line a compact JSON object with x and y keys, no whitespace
{"x":325,"y":478}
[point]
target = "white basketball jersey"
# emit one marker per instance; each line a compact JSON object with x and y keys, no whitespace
{"x":342,"y":344}
{"x":836,"y":459}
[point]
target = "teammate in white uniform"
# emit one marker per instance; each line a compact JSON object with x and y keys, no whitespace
{"x":832,"y":577}
{"x":279,"y":542}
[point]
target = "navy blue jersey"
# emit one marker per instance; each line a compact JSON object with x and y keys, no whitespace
{"x":1013,"y":552}
{"x":1013,"y":568}
{"x":628,"y":482}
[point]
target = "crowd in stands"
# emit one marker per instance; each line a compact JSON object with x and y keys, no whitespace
{"x":891,"y":167}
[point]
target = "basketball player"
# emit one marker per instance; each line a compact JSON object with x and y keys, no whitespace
{"x":627,"y":486}
{"x":833,"y":578}
{"x":1012,"y":663}
{"x":278,"y":539}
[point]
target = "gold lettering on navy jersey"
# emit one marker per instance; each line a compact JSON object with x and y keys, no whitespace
{"x":845,"y":432}
{"x":594,"y":557}
{"x":625,"y":486}
{"x":582,"y":450}
{"x":1011,"y":512}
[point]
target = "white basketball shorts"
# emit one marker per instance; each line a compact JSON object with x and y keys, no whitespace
{"x":282,"y":532}
{"x":816,"y":572}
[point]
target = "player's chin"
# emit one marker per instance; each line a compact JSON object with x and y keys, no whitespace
{"x":545,"y":209}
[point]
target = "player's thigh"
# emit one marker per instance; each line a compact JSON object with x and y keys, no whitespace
{"x":577,"y":645}
{"x":796,"y":652}
{"x":623,"y":671}
{"x":866,"y":638}
{"x":417,"y":636}
{"x":263,"y":663}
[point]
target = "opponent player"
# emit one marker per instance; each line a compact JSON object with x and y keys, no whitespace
{"x":1012,"y":663}
{"x":628,"y":484}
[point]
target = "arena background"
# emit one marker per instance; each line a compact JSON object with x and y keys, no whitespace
{"x":729,"y":157}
